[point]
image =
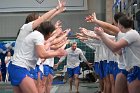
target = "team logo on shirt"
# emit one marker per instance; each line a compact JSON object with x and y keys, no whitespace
{"x":40,"y":1}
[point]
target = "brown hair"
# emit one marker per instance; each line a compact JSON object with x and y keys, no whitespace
{"x":126,"y":22}
{"x":31,"y":17}
{"x":46,"y":27}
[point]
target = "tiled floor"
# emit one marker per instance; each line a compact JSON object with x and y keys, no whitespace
{"x":85,"y":87}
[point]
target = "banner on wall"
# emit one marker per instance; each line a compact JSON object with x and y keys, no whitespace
{"x":6,"y":46}
{"x":39,"y":5}
{"x":116,"y":3}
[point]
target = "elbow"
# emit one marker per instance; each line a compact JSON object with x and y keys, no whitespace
{"x":42,"y":56}
{"x":115,"y":49}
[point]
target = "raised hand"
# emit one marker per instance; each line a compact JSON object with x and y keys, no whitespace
{"x":61,"y":37}
{"x":91,"y":18}
{"x":99,"y":31}
{"x":61,"y":52}
{"x":84,"y":31}
{"x":58,"y":24}
{"x":61,"y":6}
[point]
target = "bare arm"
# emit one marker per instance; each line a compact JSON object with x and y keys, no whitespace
{"x":92,"y":18}
{"x":60,"y":38}
{"x":48,"y":15}
{"x":112,"y":45}
{"x":59,"y":45}
{"x":43,"y":54}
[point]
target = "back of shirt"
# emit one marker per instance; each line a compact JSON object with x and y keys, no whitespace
{"x":26,"y":56}
{"x":132,"y":51}
{"x":24,"y":31}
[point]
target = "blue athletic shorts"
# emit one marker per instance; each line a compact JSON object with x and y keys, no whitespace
{"x":123,"y":71}
{"x":133,"y":74}
{"x":111,"y":67}
{"x":47,"y":70}
{"x":101,"y":72}
{"x":96,"y":67}
{"x":34,"y":72}
{"x":105,"y":68}
{"x":17,"y":74}
{"x":72,"y":71}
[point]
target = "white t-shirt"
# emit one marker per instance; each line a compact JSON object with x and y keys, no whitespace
{"x":73,"y":57}
{"x":26,"y":55}
{"x":132,"y":51}
{"x":49,"y":62}
{"x":7,"y":58}
{"x":94,"y":45}
{"x":24,"y":31}
{"x":109,"y":54}
{"x":120,"y":58}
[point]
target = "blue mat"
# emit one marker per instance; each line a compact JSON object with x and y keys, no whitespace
{"x":58,"y":80}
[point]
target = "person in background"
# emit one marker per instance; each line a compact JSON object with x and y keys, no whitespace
{"x":0,"y":72}
{"x":8,"y":58}
{"x":73,"y":62}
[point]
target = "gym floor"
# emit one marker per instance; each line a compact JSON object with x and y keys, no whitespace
{"x":85,"y":87}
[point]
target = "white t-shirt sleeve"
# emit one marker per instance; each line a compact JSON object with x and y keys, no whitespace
{"x":82,"y":56}
{"x":131,"y":36}
{"x":28,"y":27}
{"x":39,"y":39}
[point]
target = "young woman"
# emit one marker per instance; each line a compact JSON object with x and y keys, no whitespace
{"x":32,"y":48}
{"x":129,"y":44}
{"x":121,"y":78}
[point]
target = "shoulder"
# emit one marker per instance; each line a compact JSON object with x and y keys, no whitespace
{"x":68,"y":49}
{"x":26,"y":25}
{"x":132,"y":33}
{"x":78,"y":49}
{"x":36,"y":34}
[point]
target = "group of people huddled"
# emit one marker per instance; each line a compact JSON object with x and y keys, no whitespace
{"x":117,"y":61}
{"x":117,"y":50}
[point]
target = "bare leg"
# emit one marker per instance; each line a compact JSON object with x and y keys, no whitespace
{"x":17,"y":89}
{"x":112,"y":82}
{"x":49,"y":83}
{"x":44,"y":81}
{"x":101,"y":84}
{"x":121,"y":84}
{"x":76,"y":77}
{"x":39,"y":84}
{"x":134,"y":86}
{"x":70,"y":81}
{"x":0,"y":76}
{"x":28,"y":86}
{"x":107,"y":84}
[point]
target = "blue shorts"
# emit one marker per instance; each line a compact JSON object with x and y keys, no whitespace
{"x":101,"y":72}
{"x":123,"y":71}
{"x":96,"y":67}
{"x":73,"y":71}
{"x":133,"y":74}
{"x":105,"y":68}
{"x":17,"y":74}
{"x":111,"y":67}
{"x":34,"y":72}
{"x":48,"y":70}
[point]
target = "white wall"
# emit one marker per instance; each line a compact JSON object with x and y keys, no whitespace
{"x":11,"y":22}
